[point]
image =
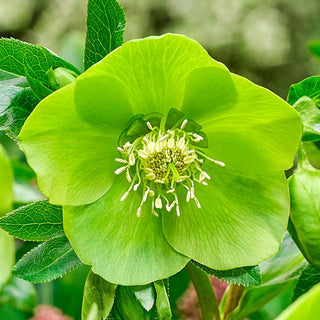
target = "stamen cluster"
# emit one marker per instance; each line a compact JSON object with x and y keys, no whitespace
{"x":161,"y":160}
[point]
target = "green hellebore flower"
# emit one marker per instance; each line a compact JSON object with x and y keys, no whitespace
{"x":160,"y":155}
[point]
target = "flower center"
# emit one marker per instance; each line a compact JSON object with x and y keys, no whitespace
{"x":159,"y":162}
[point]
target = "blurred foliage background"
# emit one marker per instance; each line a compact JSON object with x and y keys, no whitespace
{"x":265,"y":41}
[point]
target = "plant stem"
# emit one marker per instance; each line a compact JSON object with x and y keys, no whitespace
{"x":204,"y":289}
{"x":233,"y":297}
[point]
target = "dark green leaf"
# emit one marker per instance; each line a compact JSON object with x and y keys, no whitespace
{"x":145,"y":295}
{"x":19,"y":294}
{"x":14,"y":54}
{"x":245,"y":276}
{"x":98,"y":298}
{"x":105,"y":26}
{"x":162,"y":303}
{"x":38,"y":221}
{"x":309,"y":87}
{"x":48,"y":261}
{"x":16,"y":104}
{"x":10,"y":79}
{"x":128,"y":306}
{"x":310,"y":116}
{"x":309,"y":277}
{"x":314,"y":47}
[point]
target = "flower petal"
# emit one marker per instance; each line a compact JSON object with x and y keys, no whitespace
{"x":253,"y":130}
{"x":102,"y":101}
{"x":240,"y":223}
{"x":209,"y":92}
{"x":153,"y":70}
{"x":74,"y":161}
{"x":121,"y":247}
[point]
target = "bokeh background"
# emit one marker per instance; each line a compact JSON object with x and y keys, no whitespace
{"x":265,"y":41}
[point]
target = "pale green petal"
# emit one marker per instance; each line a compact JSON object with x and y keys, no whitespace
{"x":240,"y":223}
{"x":154,"y":70}
{"x":259,"y":133}
{"x":102,"y":101}
{"x":121,"y":247}
{"x":73,"y":160}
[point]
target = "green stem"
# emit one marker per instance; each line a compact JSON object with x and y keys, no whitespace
{"x":206,"y":296}
{"x":233,"y":297}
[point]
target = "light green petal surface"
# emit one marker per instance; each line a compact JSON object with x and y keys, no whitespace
{"x":241,"y":222}
{"x":258,"y":133}
{"x":121,"y":247}
{"x":102,"y":101}
{"x":74,"y":160}
{"x":153,"y":70}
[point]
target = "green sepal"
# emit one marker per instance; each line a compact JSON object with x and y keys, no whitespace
{"x":304,"y":224}
{"x":309,"y":87}
{"x":129,"y":307}
{"x":244,"y":276}
{"x":105,"y":27}
{"x":60,"y":77}
{"x":38,"y":221}
{"x":98,"y":298}
{"x":309,"y":277}
{"x":145,"y":295}
{"x":310,"y":117}
{"x":48,"y":261}
{"x":162,"y":302}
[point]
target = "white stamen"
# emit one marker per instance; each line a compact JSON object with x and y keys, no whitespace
{"x":164,"y":137}
{"x":184,"y":123}
{"x":192,"y":192}
{"x":139,"y":212}
{"x":197,"y":137}
{"x":145,"y":196}
{"x":119,"y":170}
{"x":172,"y":190}
{"x":219,"y":163}
{"x":150,"y":176}
{"x":151,"y":193}
{"x":143,"y":154}
{"x":120,"y":149}
{"x":124,"y":196}
{"x":154,"y":213}
{"x":188,"y":196}
{"x":170,"y":143}
{"x":121,"y":160}
{"x":181,"y":143}
{"x":128,"y":176}
{"x":132,"y":159}
{"x":145,"y":140}
{"x":126,"y":146}
{"x":136,"y":186}
{"x":205,"y":174}
{"x":158,"y":203}
{"x":197,"y":202}
{"x":178,"y":210}
{"x":149,"y":125}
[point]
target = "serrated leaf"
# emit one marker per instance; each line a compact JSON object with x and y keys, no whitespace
{"x":98,"y":298}
{"x":10,"y":79}
{"x":245,"y":276}
{"x":16,"y":104}
{"x":105,"y":26}
{"x":38,"y":221}
{"x":309,"y":277}
{"x":19,"y":294}
{"x":162,"y":302}
{"x":48,"y":261}
{"x":14,"y":53}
